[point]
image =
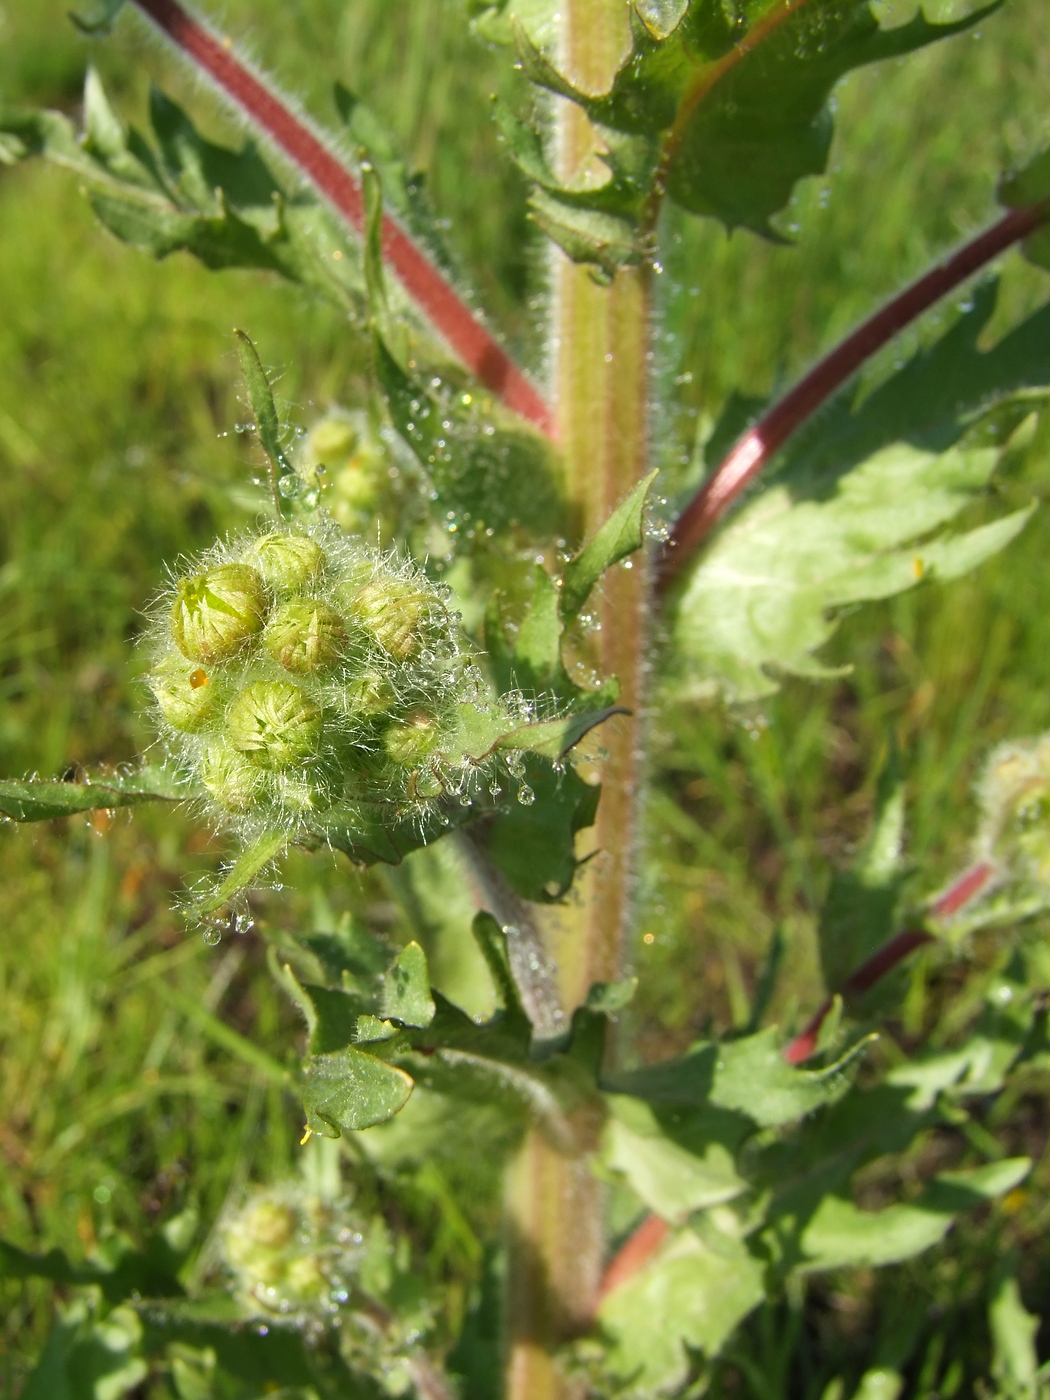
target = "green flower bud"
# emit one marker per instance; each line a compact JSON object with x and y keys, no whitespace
{"x":288,"y":561}
{"x":184,"y":693}
{"x":230,"y":777}
{"x":306,"y":1277}
{"x":274,"y":723}
{"x":305,"y":635}
{"x":271,"y":1224}
{"x":412,"y":740}
{"x":215,"y":612}
{"x":369,"y":694}
{"x":393,"y":612}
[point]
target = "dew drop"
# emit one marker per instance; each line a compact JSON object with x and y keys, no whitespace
{"x":526,"y":796}
{"x":212,"y":934}
{"x":289,"y":485}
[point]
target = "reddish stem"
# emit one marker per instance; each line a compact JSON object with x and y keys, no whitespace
{"x":753,"y":451}
{"x":652,"y":1232}
{"x":434,"y":295}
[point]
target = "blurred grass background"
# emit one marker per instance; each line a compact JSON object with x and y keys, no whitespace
{"x":118,"y":400}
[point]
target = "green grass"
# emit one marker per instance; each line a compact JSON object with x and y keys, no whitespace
{"x":119,"y":393}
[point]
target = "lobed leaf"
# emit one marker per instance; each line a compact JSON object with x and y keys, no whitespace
{"x":762,"y":600}
{"x":406,"y":989}
{"x":182,"y":192}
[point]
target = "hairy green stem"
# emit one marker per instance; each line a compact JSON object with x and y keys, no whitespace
{"x":556,"y":1206}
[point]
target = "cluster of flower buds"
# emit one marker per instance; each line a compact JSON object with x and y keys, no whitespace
{"x":343,"y":461}
{"x":298,"y":672}
{"x":292,"y":1255}
{"x":1014,"y":794}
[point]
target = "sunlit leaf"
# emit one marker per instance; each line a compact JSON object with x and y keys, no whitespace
{"x":349,"y":1090}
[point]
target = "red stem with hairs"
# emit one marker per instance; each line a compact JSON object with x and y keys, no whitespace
{"x":429,"y":289}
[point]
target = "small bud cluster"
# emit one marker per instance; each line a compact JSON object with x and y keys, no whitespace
{"x":345,"y":463}
{"x":298,"y":672}
{"x":1014,"y":794}
{"x":292,"y":1255}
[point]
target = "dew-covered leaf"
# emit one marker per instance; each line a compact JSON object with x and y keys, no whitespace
{"x":348,"y":1090}
{"x":534,"y":844}
{"x":261,"y":398}
{"x":765,"y":123}
{"x":406,"y":989}
{"x":615,"y":539}
{"x":486,"y":468}
{"x":692,"y":1294}
{"x":43,"y":799}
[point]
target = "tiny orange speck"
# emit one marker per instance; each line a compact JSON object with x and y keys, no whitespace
{"x":198,"y":678}
{"x":918,"y":567}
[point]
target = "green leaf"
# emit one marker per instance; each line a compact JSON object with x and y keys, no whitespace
{"x":348,"y":1089}
{"x":747,"y":1076}
{"x":223,"y":206}
{"x":44,"y":799}
{"x":693,"y":1294}
{"x":406,"y":989}
{"x":555,"y":738}
{"x":619,"y":536}
{"x":100,"y":24}
{"x":840,"y":1234}
{"x":535,"y":845}
{"x":767,"y":122}
{"x":1015,"y":1361}
{"x":485,"y":467}
{"x":587,"y":235}
{"x":89,"y":1358}
{"x":261,"y":398}
{"x":762,"y":598}
{"x":671,"y":1179}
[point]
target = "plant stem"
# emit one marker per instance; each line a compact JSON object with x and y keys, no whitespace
{"x":299,"y":143}
{"x":556,"y":1206}
{"x":758,"y":445}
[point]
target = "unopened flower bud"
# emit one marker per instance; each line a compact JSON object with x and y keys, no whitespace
{"x":305,"y":635}
{"x":393,"y":612}
{"x":215,"y":612}
{"x":288,"y":561}
{"x":305,"y":1277}
{"x":369,"y":694}
{"x":184,"y":693}
{"x":269,"y":1223}
{"x":231,"y":778}
{"x":274,"y":723}
{"x":412,"y":740}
